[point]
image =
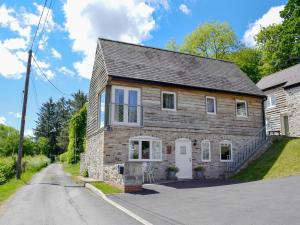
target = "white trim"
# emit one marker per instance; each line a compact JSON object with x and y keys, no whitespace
{"x":209,"y":159}
{"x":231,"y":152}
{"x":269,"y":100}
{"x":246,"y":108}
{"x":162,"y":100}
{"x":125,"y":112}
{"x":139,"y":139}
{"x":215,"y":105}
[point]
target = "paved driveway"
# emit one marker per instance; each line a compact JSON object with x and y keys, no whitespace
{"x":52,"y":198}
{"x":271,"y":202}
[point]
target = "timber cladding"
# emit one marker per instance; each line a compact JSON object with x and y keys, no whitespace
{"x":191,"y":110}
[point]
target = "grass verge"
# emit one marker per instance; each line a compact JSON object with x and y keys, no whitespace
{"x":280,"y":160}
{"x":106,"y":188}
{"x":73,"y":169}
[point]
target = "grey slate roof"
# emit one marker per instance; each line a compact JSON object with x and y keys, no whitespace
{"x":286,"y":77}
{"x":151,"y":64}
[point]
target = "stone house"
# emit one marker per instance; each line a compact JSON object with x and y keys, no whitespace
{"x":282,"y":108}
{"x":148,"y":104}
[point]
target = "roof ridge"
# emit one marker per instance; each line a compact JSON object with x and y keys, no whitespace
{"x":166,"y":50}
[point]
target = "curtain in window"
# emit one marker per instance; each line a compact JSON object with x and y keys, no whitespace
{"x":205,"y":151}
{"x":168,"y":101}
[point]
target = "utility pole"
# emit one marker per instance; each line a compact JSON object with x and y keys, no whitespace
{"x":20,"y":150}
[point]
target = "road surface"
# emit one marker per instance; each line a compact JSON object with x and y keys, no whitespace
{"x":52,"y":198}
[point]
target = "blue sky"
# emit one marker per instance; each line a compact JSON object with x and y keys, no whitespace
{"x":67,"y":45}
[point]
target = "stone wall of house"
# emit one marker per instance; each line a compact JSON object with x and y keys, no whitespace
{"x":293,"y":101}
{"x":116,"y":150}
{"x":93,"y":158}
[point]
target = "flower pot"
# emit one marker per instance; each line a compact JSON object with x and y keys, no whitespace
{"x":199,"y":174}
{"x":171,"y":175}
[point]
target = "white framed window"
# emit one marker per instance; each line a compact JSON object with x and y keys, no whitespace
{"x":211,"y":105}
{"x":101,"y":108}
{"x":205,"y":150}
{"x":126,"y":107}
{"x":271,"y":101}
{"x":168,"y":100}
{"x":241,"y":108}
{"x":144,"y":148}
{"x":226,"y":151}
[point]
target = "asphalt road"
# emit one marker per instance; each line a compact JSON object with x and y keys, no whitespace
{"x":52,"y":198}
{"x":268,"y":202}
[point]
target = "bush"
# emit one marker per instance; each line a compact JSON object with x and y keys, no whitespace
{"x":63,"y":157}
{"x":7,"y":168}
{"x":172,"y":169}
{"x":35,"y":163}
{"x":85,"y":173}
{"x":199,"y":168}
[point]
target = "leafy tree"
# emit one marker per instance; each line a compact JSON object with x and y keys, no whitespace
{"x":77,"y":135}
{"x":280,"y":44}
{"x":248,"y":59}
{"x":78,"y":101}
{"x":9,"y":140}
{"x":214,"y":40}
{"x":172,"y":45}
{"x":42,"y":146}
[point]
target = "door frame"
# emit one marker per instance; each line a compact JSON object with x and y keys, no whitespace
{"x":188,"y":142}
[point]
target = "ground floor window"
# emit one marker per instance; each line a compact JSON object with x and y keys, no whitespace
{"x":144,"y":148}
{"x":205,"y":150}
{"x":226,"y":151}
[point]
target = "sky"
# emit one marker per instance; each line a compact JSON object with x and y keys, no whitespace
{"x":65,"y":45}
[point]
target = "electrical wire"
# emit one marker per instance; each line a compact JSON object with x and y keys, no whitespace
{"x":35,"y":93}
{"x":38,"y":26}
{"x":43,"y":73}
{"x":43,"y":28}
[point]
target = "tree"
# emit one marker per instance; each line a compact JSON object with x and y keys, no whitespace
{"x":78,"y":101}
{"x":280,"y":44}
{"x":42,"y":146}
{"x":214,"y":40}
{"x":172,"y":45}
{"x":248,"y":59}
{"x":77,"y":135}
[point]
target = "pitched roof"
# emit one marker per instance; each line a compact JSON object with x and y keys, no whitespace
{"x":132,"y":61}
{"x":286,"y":77}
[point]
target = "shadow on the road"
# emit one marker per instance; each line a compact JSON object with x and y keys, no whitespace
{"x":145,"y":191}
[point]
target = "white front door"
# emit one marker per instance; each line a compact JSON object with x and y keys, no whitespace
{"x":183,"y":158}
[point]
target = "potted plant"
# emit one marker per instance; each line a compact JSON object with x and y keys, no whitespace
{"x":135,"y":155}
{"x":199,"y":172}
{"x":171,"y":172}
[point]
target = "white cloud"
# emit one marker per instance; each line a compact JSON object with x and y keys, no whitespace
{"x":270,"y":17}
{"x":64,"y":70}
{"x":17,"y":114}
{"x":124,"y":20}
{"x":29,"y":133}
{"x":2,"y":120}
{"x":55,"y":53}
{"x":45,"y":67}
{"x":14,"y":43}
{"x":183,"y":8}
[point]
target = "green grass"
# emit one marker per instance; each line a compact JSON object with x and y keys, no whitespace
{"x":106,"y":188}
{"x":73,"y":169}
{"x":280,"y":160}
{"x":10,"y":187}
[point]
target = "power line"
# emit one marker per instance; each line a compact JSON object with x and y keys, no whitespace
{"x":43,"y":28}
{"x":33,"y":39}
{"x":35,"y":94}
{"x":43,"y":73}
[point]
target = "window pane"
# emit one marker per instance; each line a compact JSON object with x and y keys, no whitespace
{"x":119,"y":105}
{"x":145,"y":150}
{"x":241,"y":109}
{"x":210,"y":105}
{"x":102,"y":109}
{"x":156,"y":150}
{"x":132,"y":106}
{"x":134,"y":150}
{"x":225,"y":152}
{"x":168,"y":101}
{"x":205,"y":151}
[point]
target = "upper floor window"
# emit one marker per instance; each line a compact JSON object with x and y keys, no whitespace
{"x":271,"y":101}
{"x":126,"y":105}
{"x":205,"y":149}
{"x":226,"y":151}
{"x":145,"y":148}
{"x":241,"y":108}
{"x":210,"y":105}
{"x":101,"y":108}
{"x":168,"y":100}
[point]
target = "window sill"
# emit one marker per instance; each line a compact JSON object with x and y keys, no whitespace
{"x":226,"y":160}
{"x":172,"y":110}
{"x":145,"y":160}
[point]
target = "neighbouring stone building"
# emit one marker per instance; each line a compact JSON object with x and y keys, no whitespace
{"x":148,"y":104}
{"x":282,"y":108}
